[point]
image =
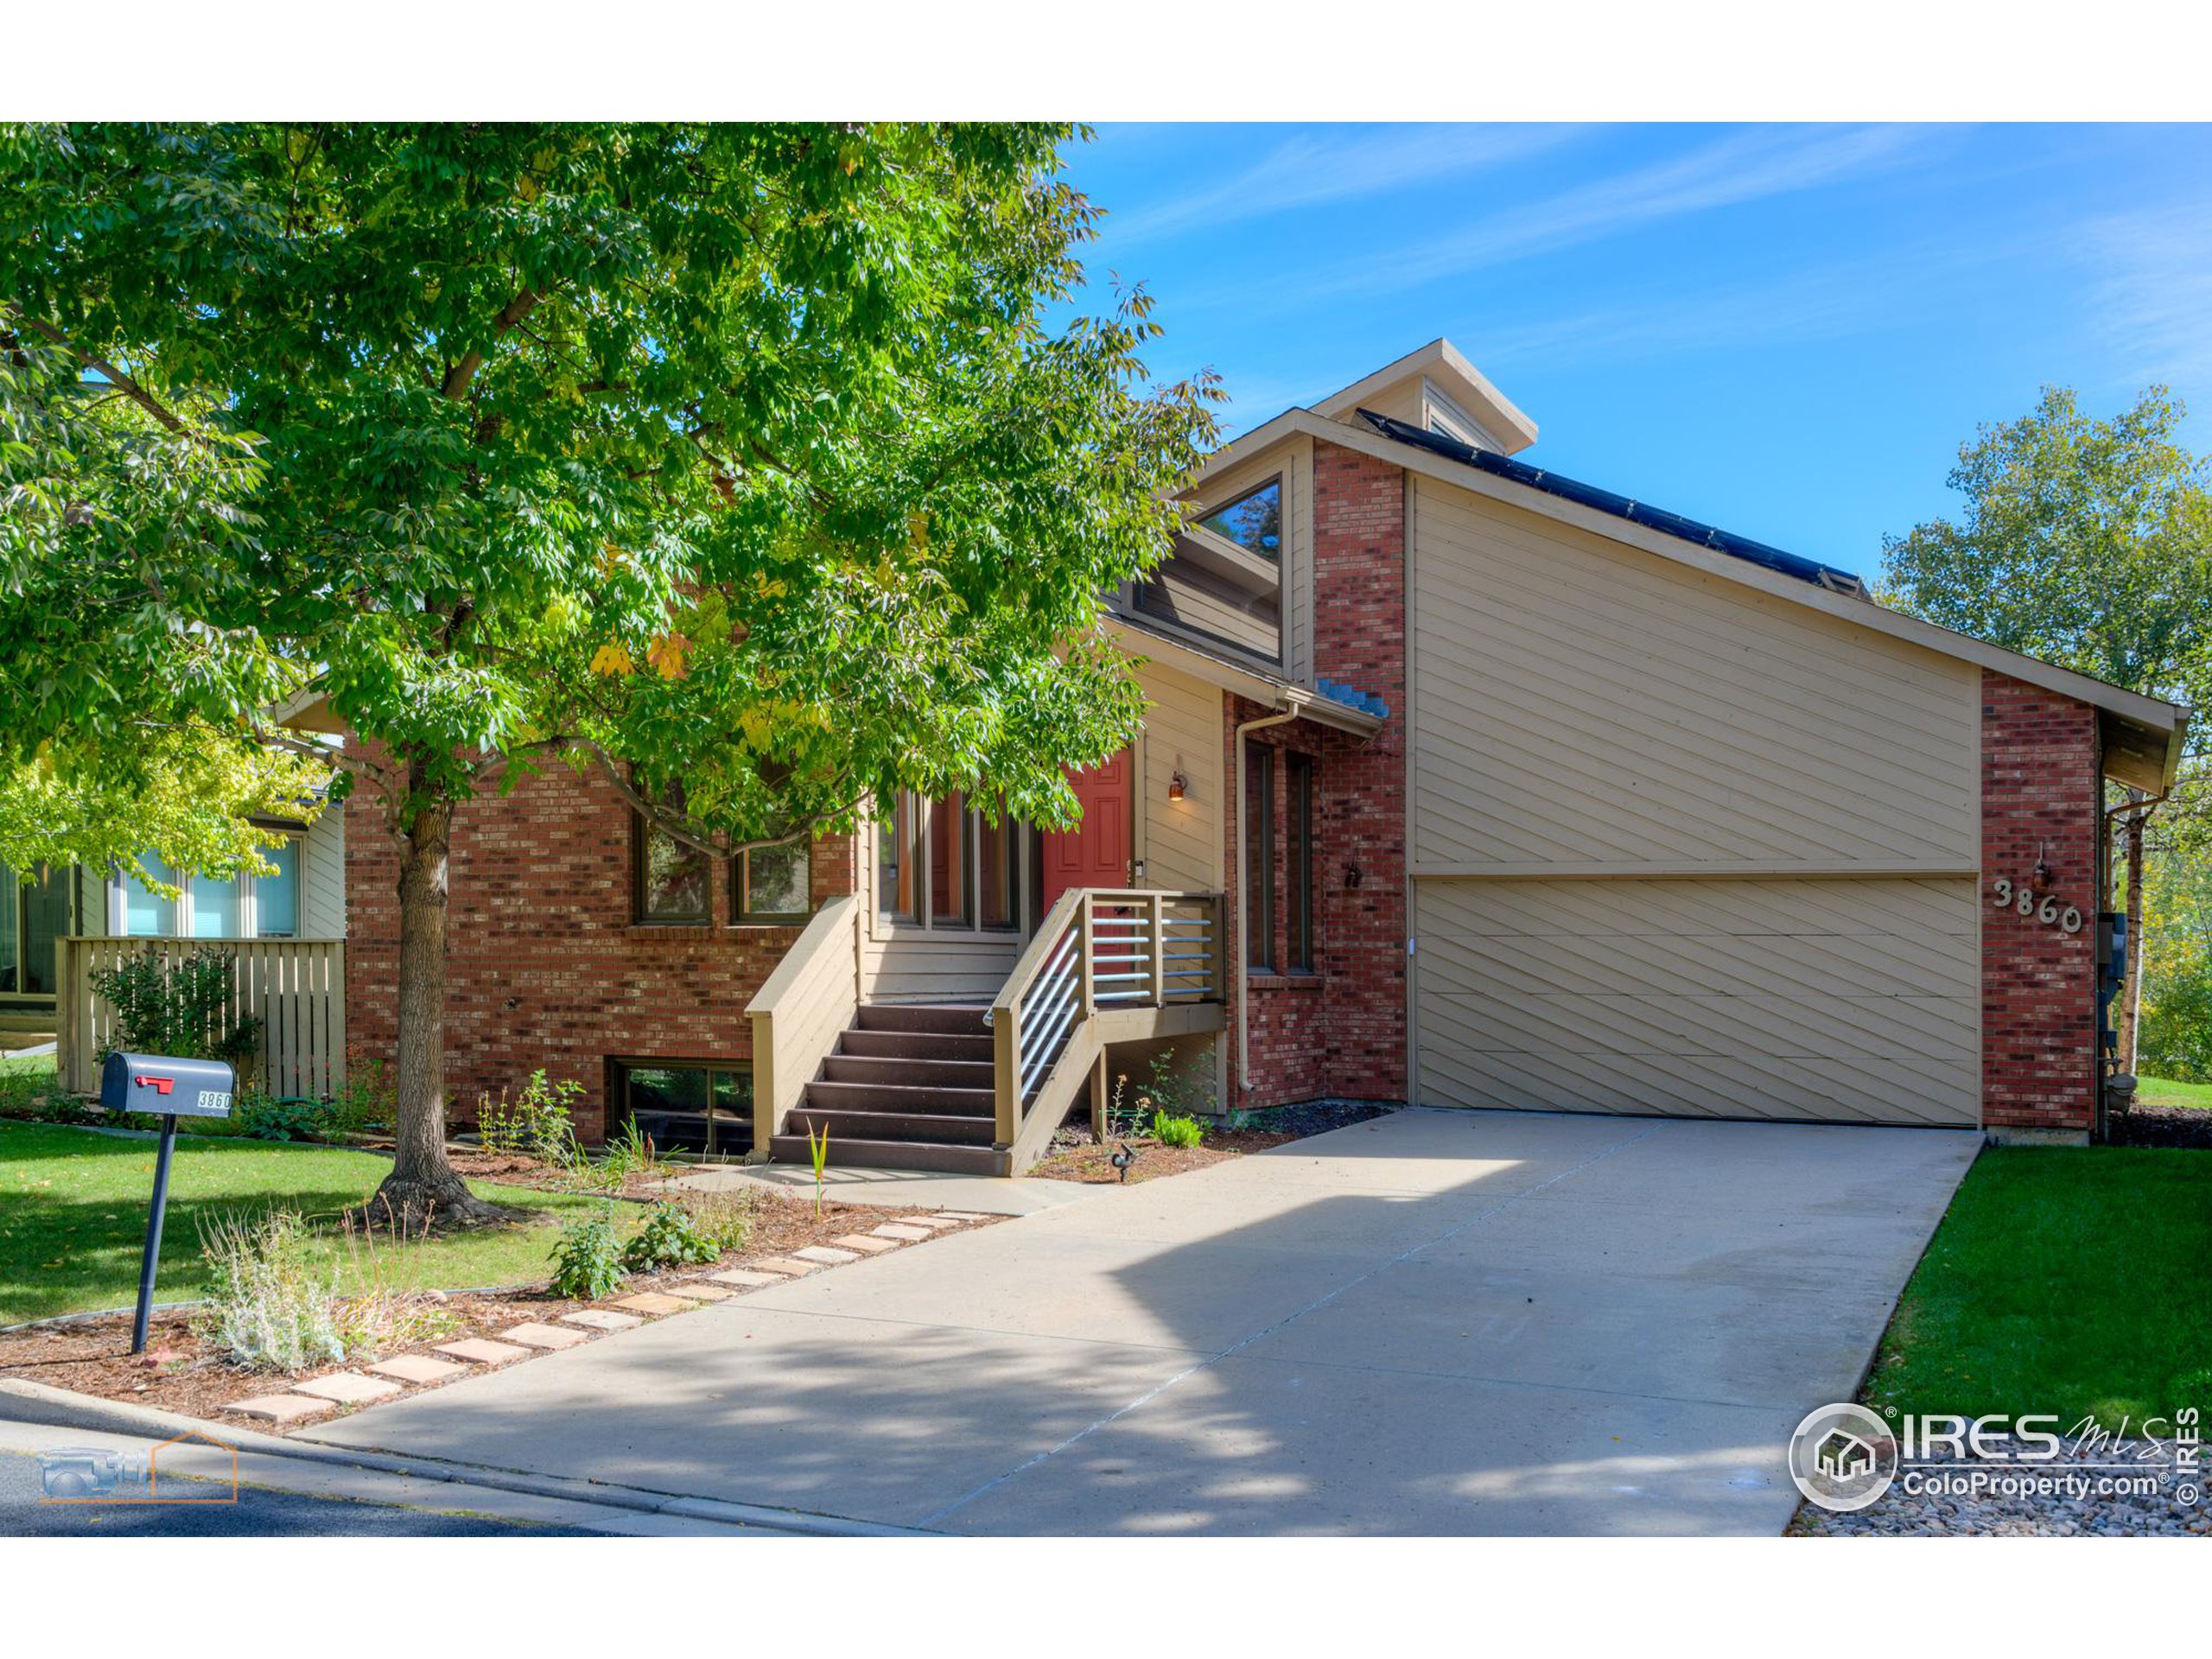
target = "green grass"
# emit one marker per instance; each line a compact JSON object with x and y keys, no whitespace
{"x":2065,"y":1280}
{"x":2163,"y":1092}
{"x":73,"y":1216}
{"x":27,"y":1065}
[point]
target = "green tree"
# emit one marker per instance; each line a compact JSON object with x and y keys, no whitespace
{"x":2087,"y":544}
{"x":762,"y":460}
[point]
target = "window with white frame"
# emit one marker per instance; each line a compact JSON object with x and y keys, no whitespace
{"x":243,"y":906}
{"x":943,"y":866}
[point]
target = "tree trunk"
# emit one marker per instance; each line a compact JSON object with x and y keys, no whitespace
{"x":2131,"y":993}
{"x":424,"y":1189}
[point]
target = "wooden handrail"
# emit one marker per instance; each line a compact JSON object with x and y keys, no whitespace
{"x":1042,"y":1020}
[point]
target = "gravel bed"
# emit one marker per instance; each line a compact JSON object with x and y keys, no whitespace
{"x":2032,"y":1515}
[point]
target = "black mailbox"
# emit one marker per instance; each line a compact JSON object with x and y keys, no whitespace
{"x":167,"y":1086}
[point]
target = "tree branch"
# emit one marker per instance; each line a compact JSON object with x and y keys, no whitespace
{"x":459,"y":376}
{"x":107,"y":371}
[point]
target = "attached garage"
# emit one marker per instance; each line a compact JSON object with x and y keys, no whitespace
{"x":1854,"y":1001}
{"x":1682,"y":846}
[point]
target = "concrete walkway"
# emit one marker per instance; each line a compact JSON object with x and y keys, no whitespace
{"x":1436,"y":1322}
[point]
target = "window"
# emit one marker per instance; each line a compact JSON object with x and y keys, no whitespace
{"x":704,"y":1109}
{"x":773,"y":883}
{"x":1224,"y":578}
{"x":1259,"y":856}
{"x":33,"y":913}
{"x":241,"y":907}
{"x":944,"y":865}
{"x":1252,"y":521}
{"x":671,"y":876}
{"x":1300,"y":830}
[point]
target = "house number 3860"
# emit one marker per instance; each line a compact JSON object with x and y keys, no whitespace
{"x":2007,"y":896}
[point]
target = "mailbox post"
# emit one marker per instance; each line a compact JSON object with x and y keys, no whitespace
{"x":173,"y":1087}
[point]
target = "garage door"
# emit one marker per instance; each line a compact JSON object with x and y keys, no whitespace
{"x":1849,"y":1000}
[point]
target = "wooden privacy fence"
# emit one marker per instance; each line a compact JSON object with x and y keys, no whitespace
{"x":296,"y":987}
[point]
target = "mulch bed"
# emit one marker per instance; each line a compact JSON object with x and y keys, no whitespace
{"x":1076,"y":1158}
{"x":181,"y":1372}
{"x":2165,"y":1126}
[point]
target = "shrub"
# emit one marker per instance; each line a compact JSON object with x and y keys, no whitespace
{"x":535,"y":1123}
{"x":724,"y":1219}
{"x":270,"y":1306}
{"x":268,"y":1117}
{"x":366,"y":1104}
{"x":385,"y":1312}
{"x":628,"y":1152}
{"x":1172,"y":1131}
{"x":587,"y":1261}
{"x":670,"y":1238}
{"x":181,"y":1008}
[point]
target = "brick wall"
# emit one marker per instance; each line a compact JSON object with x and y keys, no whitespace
{"x":1342,"y":1030}
{"x":544,"y":966}
{"x":2041,"y":797}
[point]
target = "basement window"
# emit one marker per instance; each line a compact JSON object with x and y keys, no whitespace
{"x":705,"y":1108}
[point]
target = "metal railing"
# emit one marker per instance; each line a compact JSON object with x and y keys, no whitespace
{"x":1098,"y":948}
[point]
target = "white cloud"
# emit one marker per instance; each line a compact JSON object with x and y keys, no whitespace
{"x":2152,"y":293}
{"x":1337,"y":165}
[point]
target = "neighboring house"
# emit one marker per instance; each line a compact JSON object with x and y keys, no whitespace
{"x":285,"y":932}
{"x":1459,"y":783}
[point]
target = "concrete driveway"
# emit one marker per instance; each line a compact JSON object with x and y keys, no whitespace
{"x":1435,"y":1323}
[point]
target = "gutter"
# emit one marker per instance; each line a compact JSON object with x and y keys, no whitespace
{"x":1290,"y":702}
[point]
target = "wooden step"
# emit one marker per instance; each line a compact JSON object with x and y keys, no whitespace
{"x":930,"y":1100}
{"x":896,"y":1154}
{"x":949,"y":1019}
{"x":915,"y":1044}
{"x":935,"y":1073}
{"x":966,"y":1131}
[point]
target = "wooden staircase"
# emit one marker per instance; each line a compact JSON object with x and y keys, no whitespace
{"x":908,"y":1086}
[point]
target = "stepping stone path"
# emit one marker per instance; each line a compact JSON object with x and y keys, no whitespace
{"x":482,"y":1350}
{"x":535,"y":1335}
{"x":602,"y":1318}
{"x":418,"y":1368}
{"x":281,"y":1408}
{"x":785,"y":1265}
{"x":653,"y":1301}
{"x":348,"y":1387}
{"x":382,"y":1380}
{"x":744,"y":1279}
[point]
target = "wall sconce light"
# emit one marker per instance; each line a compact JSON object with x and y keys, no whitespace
{"x":2043,"y":866}
{"x":1353,"y":875}
{"x":1177,"y":784}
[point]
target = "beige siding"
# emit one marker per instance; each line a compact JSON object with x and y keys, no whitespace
{"x":1578,"y":702}
{"x":322,"y":876}
{"x":906,"y":963}
{"x":1850,"y":1000}
{"x":1180,"y":841}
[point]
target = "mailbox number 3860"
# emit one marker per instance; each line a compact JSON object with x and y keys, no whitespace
{"x":2007,"y":896}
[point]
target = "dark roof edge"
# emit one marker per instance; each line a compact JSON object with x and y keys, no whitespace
{"x":1620,"y":506}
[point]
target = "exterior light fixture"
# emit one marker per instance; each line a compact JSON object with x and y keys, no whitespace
{"x":1177,"y":784}
{"x":1353,"y":875}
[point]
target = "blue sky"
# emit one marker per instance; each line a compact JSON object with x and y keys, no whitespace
{"x":1786,"y":331}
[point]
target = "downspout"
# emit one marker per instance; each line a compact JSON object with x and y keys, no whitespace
{"x":1290,"y":702}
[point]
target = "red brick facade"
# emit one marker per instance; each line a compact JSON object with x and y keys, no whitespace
{"x":1341,"y":1031}
{"x":2041,"y":799}
{"x":545,"y":967}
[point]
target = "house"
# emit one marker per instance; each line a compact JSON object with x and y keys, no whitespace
{"x":285,"y":932}
{"x":1460,"y":783}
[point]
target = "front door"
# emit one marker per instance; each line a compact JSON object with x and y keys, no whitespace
{"x":1095,"y":852}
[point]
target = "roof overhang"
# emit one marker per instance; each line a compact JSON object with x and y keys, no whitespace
{"x":1447,"y":369}
{"x":1253,"y":684}
{"x":2142,"y":735}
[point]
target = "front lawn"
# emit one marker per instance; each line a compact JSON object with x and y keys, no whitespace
{"x":2163,"y":1092}
{"x":73,"y":1217}
{"x":2064,"y":1280}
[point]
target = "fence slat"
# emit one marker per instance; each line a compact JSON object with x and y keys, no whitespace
{"x":296,"y":987}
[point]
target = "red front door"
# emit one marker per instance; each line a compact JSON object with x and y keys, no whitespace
{"x":1095,"y":853}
